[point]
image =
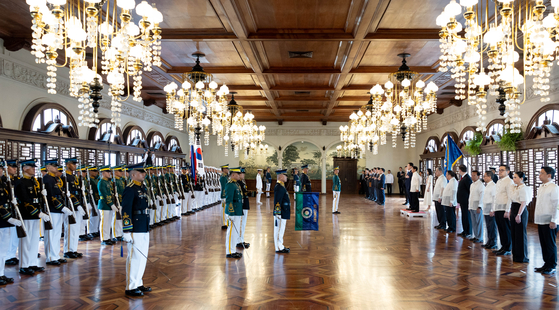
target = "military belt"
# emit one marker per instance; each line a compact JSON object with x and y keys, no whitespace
{"x":145,"y":211}
{"x":35,"y":200}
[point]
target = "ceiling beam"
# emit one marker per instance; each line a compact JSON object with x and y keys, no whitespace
{"x":298,"y":70}
{"x":403,"y":34}
{"x":212,"y":70}
{"x":178,"y":34}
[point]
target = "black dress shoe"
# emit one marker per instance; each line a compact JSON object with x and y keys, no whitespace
{"x":7,"y":280}
{"x":134,"y":292}
{"x":2,"y":282}
{"x":35,"y":268}
{"x":107,"y":242}
{"x":224,"y":227}
{"x":285,"y":250}
{"x":239,"y":245}
{"x":540,"y":269}
{"x":38,"y":255}
{"x":437,"y":227}
{"x":144,"y":289}
{"x":450,"y":231}
{"x":503,"y":253}
{"x":118,"y":238}
{"x":54,"y":263}
{"x":27,"y":271}
{"x":70,"y":255}
{"x":78,"y":254}
{"x":234,"y":255}
{"x":549,"y":271}
{"x":493,"y":247}
{"x":83,"y":238}
{"x":12,"y":261}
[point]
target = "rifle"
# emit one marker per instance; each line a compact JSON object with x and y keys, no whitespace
{"x":159,"y":186}
{"x":68,"y":200}
{"x":48,"y":225}
{"x":84,"y":199}
{"x":204,"y":185}
{"x":21,"y":231}
{"x":91,"y":199}
{"x":151,"y":198}
{"x":180,"y":186}
{"x":172,"y":198}
{"x":191,"y":188}
{"x":180,"y":190}
{"x":157,"y":180}
{"x":117,"y":202}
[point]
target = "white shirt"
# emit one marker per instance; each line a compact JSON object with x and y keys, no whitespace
{"x":546,"y":204}
{"x":258,"y":181}
{"x":503,"y":194}
{"x":389,"y":178}
{"x":489,"y":198}
{"x":476,"y":195}
{"x":522,"y":193}
{"x":449,"y":193}
{"x":415,"y":182}
{"x":439,"y":187}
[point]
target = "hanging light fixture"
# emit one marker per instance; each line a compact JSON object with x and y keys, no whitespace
{"x":484,"y":58}
{"x":198,"y":102}
{"x":242,"y":131}
{"x":79,"y":29}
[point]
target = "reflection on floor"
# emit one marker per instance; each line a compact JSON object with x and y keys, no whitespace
{"x":367,"y":257}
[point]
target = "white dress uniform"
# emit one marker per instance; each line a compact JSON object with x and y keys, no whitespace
{"x":258,"y":188}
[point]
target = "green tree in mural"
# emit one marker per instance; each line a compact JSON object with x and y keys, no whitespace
{"x":273,"y":158}
{"x":308,"y":161}
{"x":317,"y":155}
{"x":290,"y":155}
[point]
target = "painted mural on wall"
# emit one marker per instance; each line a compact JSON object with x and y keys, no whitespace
{"x":303,"y":153}
{"x":259,"y":160}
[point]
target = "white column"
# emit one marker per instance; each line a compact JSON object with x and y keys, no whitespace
{"x":324,"y":172}
{"x":280,"y":159}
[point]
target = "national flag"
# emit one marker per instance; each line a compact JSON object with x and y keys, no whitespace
{"x":199,"y":160}
{"x":193,"y":162}
{"x":306,"y":211}
{"x":452,"y":154}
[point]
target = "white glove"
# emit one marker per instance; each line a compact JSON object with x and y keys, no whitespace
{"x":14,"y":221}
{"x":158,"y":197}
{"x":127,"y":237}
{"x":81,"y":211}
{"x":14,"y":202}
{"x":89,"y":207}
{"x":164,"y":196}
{"x":68,"y":194}
{"x":44,"y":192}
{"x":120,"y":209}
{"x":67,"y":211}
{"x":44,"y":217}
{"x":278,"y":216}
{"x":114,"y":208}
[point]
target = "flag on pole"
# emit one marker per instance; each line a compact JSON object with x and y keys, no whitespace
{"x":306,"y":214}
{"x":193,"y":162}
{"x":452,"y":154}
{"x":199,"y":159}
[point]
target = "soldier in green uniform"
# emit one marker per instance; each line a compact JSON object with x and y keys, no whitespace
{"x":106,"y":205}
{"x":234,"y":212}
{"x":135,"y":217}
{"x":166,"y":199}
{"x":173,"y":191}
{"x":8,"y":221}
{"x":73,"y":191}
{"x":305,"y":181}
{"x":336,"y":188}
{"x":282,"y":210}
{"x":85,"y":233}
{"x":94,"y":220}
{"x":188,"y":195}
{"x":246,"y":206}
{"x":120,"y":184}
{"x":156,"y":189}
{"x":223,"y":179}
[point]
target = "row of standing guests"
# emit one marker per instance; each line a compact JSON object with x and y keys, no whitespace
{"x":375,"y":184}
{"x":63,"y":199}
{"x":503,"y":207}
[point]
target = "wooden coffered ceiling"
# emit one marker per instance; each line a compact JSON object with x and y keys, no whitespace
{"x":247,"y":45}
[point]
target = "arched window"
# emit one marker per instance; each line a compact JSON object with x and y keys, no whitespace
{"x":468,"y":135}
{"x":432,"y":145}
{"x":108,"y":132}
{"x":173,"y":144}
{"x":134,"y":134}
{"x":495,"y":129}
{"x":551,"y":115}
{"x":155,"y":140}
{"x":443,"y":144}
{"x":50,"y":118}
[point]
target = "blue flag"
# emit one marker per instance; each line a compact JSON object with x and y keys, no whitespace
{"x":452,"y":154}
{"x":306,"y":211}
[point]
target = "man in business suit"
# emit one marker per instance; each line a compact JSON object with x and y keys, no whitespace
{"x":408,"y":177}
{"x":381,"y":185}
{"x":414,"y":190}
{"x":463,"y":197}
{"x":401,"y":175}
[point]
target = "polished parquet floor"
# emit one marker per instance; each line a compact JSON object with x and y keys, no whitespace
{"x":367,"y":257}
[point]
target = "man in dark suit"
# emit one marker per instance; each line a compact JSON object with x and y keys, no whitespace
{"x":362,"y":183}
{"x":381,"y":185}
{"x":462,"y":197}
{"x":401,"y":175}
{"x":408,"y":177}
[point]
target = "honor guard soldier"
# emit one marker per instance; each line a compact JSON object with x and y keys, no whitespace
{"x":28,"y":193}
{"x":234,"y":212}
{"x":188,"y":191}
{"x":94,"y":182}
{"x":8,"y":220}
{"x":154,"y":181}
{"x":268,"y":182}
{"x":166,"y":199}
{"x":85,"y":234}
{"x":258,"y":186}
{"x":74,"y":197}
{"x":305,"y":181}
{"x":173,"y":191}
{"x":106,"y":205}
{"x":282,"y":211}
{"x":223,"y":179}
{"x":246,"y":206}
{"x":135,"y":219}
{"x":56,"y":203}
{"x":120,"y":184}
{"x":336,"y":188}
{"x":296,"y":182}
{"x":14,"y":241}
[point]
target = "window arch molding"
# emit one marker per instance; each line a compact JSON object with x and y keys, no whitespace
{"x":130,"y":129}
{"x":428,"y":145}
{"x":493,"y":122}
{"x":466,"y":131}
{"x":170,"y":146}
{"x":38,"y":111}
{"x":155,"y":136}
{"x":93,"y":132}
{"x":540,"y":112}
{"x":454,"y":137}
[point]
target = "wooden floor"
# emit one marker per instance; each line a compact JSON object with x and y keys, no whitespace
{"x":368,"y":257}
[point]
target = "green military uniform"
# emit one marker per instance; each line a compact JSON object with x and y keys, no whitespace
{"x":105,"y":204}
{"x":234,"y":211}
{"x":336,"y":188}
{"x":223,"y":179}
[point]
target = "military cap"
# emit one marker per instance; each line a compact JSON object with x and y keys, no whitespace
{"x":225,"y":166}
{"x":337,"y":168}
{"x":71,"y":160}
{"x":281,"y":171}
{"x":304,"y":166}
{"x":236,"y":169}
{"x":105,"y":168}
{"x":30,"y":162}
{"x":243,"y":170}
{"x":11,"y":163}
{"x":138,"y":167}
{"x":52,"y":162}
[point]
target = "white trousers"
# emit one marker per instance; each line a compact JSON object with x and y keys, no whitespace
{"x":136,"y":260}
{"x":177,"y":209}
{"x":71,"y":234}
{"x":258,"y":193}
{"x":117,"y":226}
{"x":232,"y":236}
{"x":185,"y":203}
{"x":106,"y":223}
{"x":296,"y":189}
{"x":5,"y":240}
{"x":151,"y":216}
{"x":29,"y":246}
{"x":243,"y":226}
{"x":158,"y":208}
{"x":279,"y":230}
{"x":94,"y":223}
{"x":14,"y":243}
{"x":336,"y":201}
{"x":223,"y":220}
{"x":164,"y":210}
{"x":268,"y":185}
{"x":52,"y":237}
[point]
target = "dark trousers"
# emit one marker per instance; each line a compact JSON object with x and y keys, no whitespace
{"x":549,"y":246}
{"x":401,"y":187}
{"x":414,"y":201}
{"x":370,"y":193}
{"x":450,"y":217}
{"x":407,"y":194}
{"x":466,"y":220}
{"x":503,"y":225}
{"x":389,"y":189}
{"x":441,"y":216}
{"x":380,"y":197}
{"x":491,"y":227}
{"x":518,"y":233}
{"x":375,"y":189}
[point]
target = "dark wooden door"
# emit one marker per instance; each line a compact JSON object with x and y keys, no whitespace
{"x":348,"y":174}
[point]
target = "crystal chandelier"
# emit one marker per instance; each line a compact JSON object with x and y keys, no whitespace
{"x":85,"y":29}
{"x":242,"y":131}
{"x":199,"y":103}
{"x":483,"y":58}
{"x":348,"y":135}
{"x":401,"y":106}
